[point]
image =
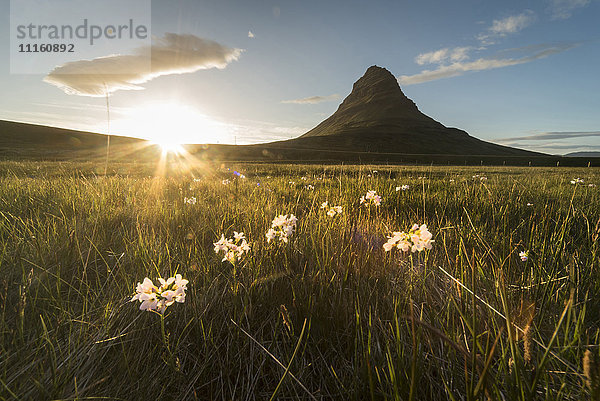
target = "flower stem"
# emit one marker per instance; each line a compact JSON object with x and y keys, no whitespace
{"x":165,"y":338}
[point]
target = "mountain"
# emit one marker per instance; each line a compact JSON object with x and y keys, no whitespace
{"x":583,"y":154}
{"x":376,"y":104}
{"x":378,"y":117}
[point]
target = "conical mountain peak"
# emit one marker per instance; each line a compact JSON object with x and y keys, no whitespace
{"x":376,"y":101}
{"x":376,"y":81}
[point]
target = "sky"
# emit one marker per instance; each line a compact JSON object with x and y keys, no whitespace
{"x":517,"y":73}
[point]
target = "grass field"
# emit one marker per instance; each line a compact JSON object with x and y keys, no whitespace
{"x":330,"y":314}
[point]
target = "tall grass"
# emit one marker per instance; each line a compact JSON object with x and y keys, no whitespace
{"x":329,"y":315}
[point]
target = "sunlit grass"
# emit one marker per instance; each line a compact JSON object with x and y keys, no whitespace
{"x":348,"y":319}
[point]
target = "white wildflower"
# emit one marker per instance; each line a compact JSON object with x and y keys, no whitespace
{"x":334,"y":211}
{"x":524,"y":255}
{"x":282,"y":227}
{"x":157,"y":299}
{"x":233,"y":249}
{"x":371,"y":198}
{"x":416,"y":240}
{"x":190,"y":201}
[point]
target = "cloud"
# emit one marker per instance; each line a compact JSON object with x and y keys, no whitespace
{"x":512,"y":24}
{"x":313,"y":99}
{"x":505,"y":26}
{"x":256,"y":132}
{"x":553,"y":135}
{"x":172,"y":54}
{"x":250,"y":34}
{"x":553,"y":147}
{"x":563,"y":9}
{"x":460,"y":68}
{"x":442,"y":55}
{"x":557,"y":146}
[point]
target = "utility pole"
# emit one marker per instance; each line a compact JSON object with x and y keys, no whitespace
{"x":107,"y":130}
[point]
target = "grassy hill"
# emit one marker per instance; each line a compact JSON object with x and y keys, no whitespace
{"x":26,"y":141}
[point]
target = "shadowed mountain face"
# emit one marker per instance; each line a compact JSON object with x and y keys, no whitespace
{"x":376,"y":104}
{"x":378,"y":117}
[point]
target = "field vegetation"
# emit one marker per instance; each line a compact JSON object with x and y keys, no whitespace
{"x":504,"y":306}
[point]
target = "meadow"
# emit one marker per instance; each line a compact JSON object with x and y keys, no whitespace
{"x":329,"y":314}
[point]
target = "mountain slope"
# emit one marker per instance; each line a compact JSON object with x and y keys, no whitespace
{"x":23,"y":140}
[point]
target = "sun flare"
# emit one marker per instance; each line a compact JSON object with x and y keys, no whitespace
{"x":170,"y":125}
{"x":167,"y":146}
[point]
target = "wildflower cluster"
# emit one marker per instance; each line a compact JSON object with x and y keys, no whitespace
{"x":155,"y":298}
{"x":417,"y":239}
{"x":233,"y":249}
{"x":281,"y":228}
{"x":190,"y":201}
{"x":577,"y":181}
{"x":403,"y":188}
{"x":333,"y":210}
{"x":371,"y":198}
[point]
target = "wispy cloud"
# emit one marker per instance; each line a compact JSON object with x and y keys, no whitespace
{"x":460,"y":68}
{"x":553,"y":147}
{"x":172,"y":54}
{"x":253,"y":132}
{"x":442,"y":55}
{"x":551,"y":136}
{"x":505,"y":26}
{"x":313,"y":99}
{"x":563,"y":9}
{"x":559,"y":146}
{"x":512,"y":24}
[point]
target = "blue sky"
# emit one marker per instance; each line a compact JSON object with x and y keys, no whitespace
{"x":519,"y":73}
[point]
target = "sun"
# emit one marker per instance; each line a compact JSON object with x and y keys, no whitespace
{"x":171,"y":125}
{"x":167,"y":146}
